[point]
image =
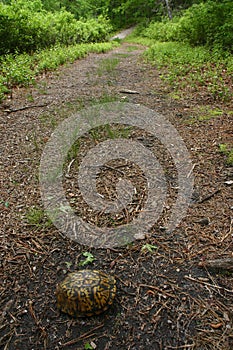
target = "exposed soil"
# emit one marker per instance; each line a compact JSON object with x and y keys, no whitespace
{"x":167,"y":298}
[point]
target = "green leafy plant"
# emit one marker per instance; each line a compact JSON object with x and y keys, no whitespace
{"x":148,"y":248}
{"x":68,"y":264}
{"x":36,"y":217}
{"x":186,"y":68}
{"x":209,"y":113}
{"x":4,"y":203}
{"x":89,"y":258}
{"x":228,"y":152}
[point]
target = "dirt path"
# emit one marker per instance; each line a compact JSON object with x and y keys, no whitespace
{"x":165,"y":300}
{"x":123,"y":34}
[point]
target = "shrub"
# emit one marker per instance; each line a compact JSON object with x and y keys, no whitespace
{"x":209,"y":23}
{"x":26,"y":27}
{"x":162,"y":31}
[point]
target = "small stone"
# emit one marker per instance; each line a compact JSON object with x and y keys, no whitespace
{"x":94,"y":346}
{"x":229,"y":182}
{"x":204,"y":221}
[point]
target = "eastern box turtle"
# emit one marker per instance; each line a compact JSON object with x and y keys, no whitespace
{"x":86,"y":293}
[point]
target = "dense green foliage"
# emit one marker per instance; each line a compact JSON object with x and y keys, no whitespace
{"x":209,"y":23}
{"x":26,"y":27}
{"x":79,"y":8}
{"x":29,"y":25}
{"x":120,"y":12}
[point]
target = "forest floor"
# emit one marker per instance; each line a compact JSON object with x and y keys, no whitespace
{"x":167,"y":295}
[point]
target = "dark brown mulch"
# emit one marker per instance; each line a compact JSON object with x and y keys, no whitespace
{"x":167,"y":298}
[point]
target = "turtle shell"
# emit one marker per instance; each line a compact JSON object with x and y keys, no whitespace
{"x":86,"y":293}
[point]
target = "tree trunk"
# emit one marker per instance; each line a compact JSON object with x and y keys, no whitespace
{"x":169,"y":11}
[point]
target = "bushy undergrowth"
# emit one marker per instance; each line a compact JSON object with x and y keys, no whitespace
{"x":25,"y":27}
{"x":21,"y":69}
{"x":188,"y":68}
{"x":209,"y":23}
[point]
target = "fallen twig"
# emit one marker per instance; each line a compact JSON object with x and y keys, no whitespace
{"x":209,"y":196}
{"x":224,"y":264}
{"x":36,"y":320}
{"x":83,"y":336}
{"x":228,"y":233}
{"x":12,"y":110}
{"x":69,"y":166}
{"x":158,"y":289}
{"x":181,"y":346}
{"x":208,"y":284}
